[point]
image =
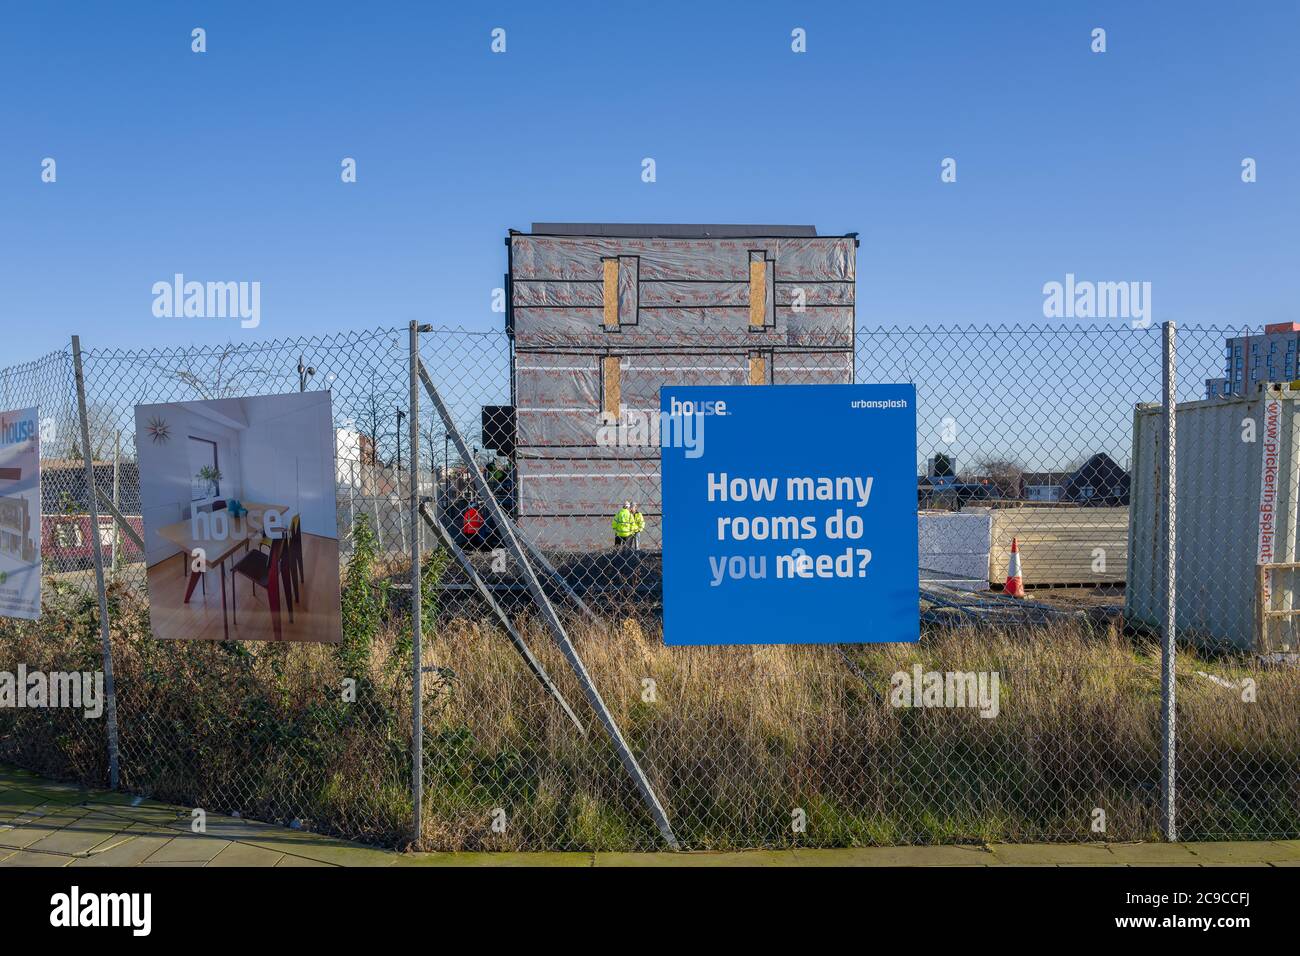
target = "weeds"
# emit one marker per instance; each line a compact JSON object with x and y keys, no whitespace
{"x":735,"y":741}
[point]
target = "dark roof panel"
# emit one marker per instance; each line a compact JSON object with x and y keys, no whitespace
{"x":651,"y":230}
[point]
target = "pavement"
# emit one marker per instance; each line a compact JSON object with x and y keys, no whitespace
{"x":46,"y":823}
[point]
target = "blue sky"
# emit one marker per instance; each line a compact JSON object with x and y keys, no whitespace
{"x":225,"y":165}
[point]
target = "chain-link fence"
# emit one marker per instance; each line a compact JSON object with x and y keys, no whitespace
{"x":1048,"y":436}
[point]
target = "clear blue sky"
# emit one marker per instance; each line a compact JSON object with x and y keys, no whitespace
{"x":225,"y":165}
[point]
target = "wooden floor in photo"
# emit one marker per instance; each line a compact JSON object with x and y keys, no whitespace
{"x":315,"y":618}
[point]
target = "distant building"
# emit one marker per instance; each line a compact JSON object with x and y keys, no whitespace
{"x":1252,"y":359}
{"x":942,"y":466}
{"x":1098,"y":481}
{"x":63,"y":485}
{"x":948,"y":494}
{"x":1043,"y":485}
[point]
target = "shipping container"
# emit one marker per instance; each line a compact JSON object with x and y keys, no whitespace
{"x":1235,"y":495}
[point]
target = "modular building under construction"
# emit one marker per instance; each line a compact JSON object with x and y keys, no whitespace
{"x":601,"y":316}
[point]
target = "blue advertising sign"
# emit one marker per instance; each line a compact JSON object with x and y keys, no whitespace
{"x":789,"y":514}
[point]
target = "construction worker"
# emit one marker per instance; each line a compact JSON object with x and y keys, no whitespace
{"x":471,"y":522}
{"x":624,"y":525}
{"x":638,"y":525}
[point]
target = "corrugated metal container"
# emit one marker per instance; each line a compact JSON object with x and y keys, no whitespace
{"x":1061,"y":544}
{"x":1236,"y":496}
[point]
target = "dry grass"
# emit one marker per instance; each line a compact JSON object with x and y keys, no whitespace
{"x":736,"y":740}
{"x":739,"y":738}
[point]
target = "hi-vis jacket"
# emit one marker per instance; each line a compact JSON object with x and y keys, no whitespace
{"x":624,"y":524}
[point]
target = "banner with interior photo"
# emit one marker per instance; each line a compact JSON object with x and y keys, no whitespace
{"x":20,"y":514}
{"x":240,"y":523}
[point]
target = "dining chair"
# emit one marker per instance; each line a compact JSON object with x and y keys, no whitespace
{"x":293,"y":554}
{"x":266,"y":538}
{"x":295,"y":557}
{"x":185,"y":555}
{"x":271,"y":571}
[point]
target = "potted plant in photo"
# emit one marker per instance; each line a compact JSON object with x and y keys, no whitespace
{"x":211,"y":475}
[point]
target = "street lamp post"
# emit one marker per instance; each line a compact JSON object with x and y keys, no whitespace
{"x":305,"y":372}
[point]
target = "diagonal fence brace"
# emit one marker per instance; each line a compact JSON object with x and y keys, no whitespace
{"x":558,"y":634}
{"x":516,"y":639}
{"x":536,"y":554}
{"x":122,"y":523}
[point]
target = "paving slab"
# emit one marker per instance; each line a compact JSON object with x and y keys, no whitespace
{"x":149,"y":829}
{"x":498,"y":859}
{"x":188,"y":848}
{"x":1025,"y":854}
{"x":898,"y":856}
{"x":1228,"y":863}
{"x":325,"y":850}
{"x":15,"y":801}
{"x":159,"y":814}
{"x":236,"y":828}
{"x":45,"y":823}
{"x":241,"y":854}
{"x":117,"y":798}
{"x":128,"y":851}
{"x":300,"y":861}
{"x":1234,"y":853}
{"x":1152,"y":854}
{"x":80,"y":836}
{"x":701,"y":858}
{"x":193,"y":863}
{"x":57,"y":792}
{"x":17,"y":778}
{"x":25,"y":831}
{"x":28,"y":858}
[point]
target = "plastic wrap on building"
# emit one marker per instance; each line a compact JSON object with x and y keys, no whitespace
{"x":681,"y":310}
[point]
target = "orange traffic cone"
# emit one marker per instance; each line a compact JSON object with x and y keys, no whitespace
{"x":1015,"y":585}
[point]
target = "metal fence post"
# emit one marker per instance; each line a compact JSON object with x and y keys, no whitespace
{"x":417,"y":662}
{"x":92,"y":505}
{"x":352,"y":494}
{"x":117,"y":481}
{"x":1168,"y":717}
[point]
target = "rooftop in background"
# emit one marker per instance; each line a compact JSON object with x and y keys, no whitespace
{"x":652,"y":230}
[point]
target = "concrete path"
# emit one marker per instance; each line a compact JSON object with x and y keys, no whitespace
{"x":44,"y":823}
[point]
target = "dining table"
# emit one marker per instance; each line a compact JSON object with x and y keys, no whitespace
{"x":216,"y":540}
